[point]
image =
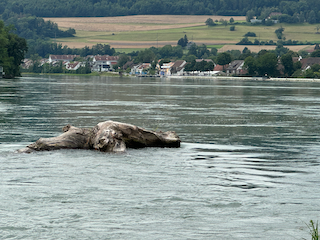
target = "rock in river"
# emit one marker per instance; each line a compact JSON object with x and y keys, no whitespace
{"x":108,"y":136}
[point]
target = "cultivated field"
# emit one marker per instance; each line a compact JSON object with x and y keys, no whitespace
{"x":144,"y":31}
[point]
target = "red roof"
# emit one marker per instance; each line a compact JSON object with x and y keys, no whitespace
{"x":220,"y":67}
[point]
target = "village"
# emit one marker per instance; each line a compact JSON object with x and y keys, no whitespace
{"x":106,"y":63}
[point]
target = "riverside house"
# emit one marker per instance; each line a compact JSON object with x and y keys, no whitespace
{"x":63,"y":58}
{"x":235,"y":67}
{"x":103,"y":63}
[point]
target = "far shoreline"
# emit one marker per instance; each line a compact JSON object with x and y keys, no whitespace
{"x":283,"y":79}
{"x":244,"y":78}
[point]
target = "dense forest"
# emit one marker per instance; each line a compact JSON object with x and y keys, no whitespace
{"x":98,"y":8}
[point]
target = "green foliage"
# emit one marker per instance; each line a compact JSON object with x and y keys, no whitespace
{"x":250,"y":34}
{"x":279,"y":32}
{"x":224,"y":58}
{"x":183,"y":41}
{"x":316,"y":53}
{"x":267,"y":64}
{"x":43,"y":48}
{"x":12,"y":51}
{"x":146,"y":56}
{"x":214,"y":51}
{"x":250,"y":15}
{"x":287,"y":63}
{"x":264,"y":64}
{"x":245,"y":41}
{"x":210,"y":22}
{"x":31,"y":27}
{"x":232,"y":28}
{"x":199,"y":66}
{"x":123,"y":59}
{"x":250,"y":65}
{"x":314,"y":230}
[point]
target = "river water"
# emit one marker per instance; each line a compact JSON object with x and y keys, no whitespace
{"x":248,"y":166}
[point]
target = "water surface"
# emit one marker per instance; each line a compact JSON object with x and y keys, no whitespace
{"x":248,"y":167}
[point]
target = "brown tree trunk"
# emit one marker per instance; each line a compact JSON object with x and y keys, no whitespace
{"x":106,"y":136}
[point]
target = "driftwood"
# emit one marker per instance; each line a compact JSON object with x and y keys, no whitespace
{"x":106,"y":136}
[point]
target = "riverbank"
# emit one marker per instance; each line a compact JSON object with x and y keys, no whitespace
{"x":116,"y":74}
{"x":246,"y":78}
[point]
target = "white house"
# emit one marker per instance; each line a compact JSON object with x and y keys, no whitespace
{"x":104,"y":63}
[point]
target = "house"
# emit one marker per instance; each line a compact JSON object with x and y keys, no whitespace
{"x":140,"y":69}
{"x":26,"y":63}
{"x":103,"y":63}
{"x":308,"y":62}
{"x":254,"y":20}
{"x":235,"y":67}
{"x":66,"y":58}
{"x":165,"y":69}
{"x":171,"y":68}
{"x":220,"y":68}
{"x":127,"y":65}
{"x":178,"y":67}
{"x":73,"y":66}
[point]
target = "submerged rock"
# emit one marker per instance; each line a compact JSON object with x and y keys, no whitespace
{"x":106,"y":136}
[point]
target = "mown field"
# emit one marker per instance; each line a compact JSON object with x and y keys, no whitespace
{"x":130,"y":33}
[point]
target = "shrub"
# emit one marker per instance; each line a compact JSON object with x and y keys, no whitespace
{"x":250,"y":34}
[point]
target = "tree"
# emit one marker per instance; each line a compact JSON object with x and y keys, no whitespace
{"x":224,"y":58}
{"x":146,"y":56}
{"x":267,"y":64}
{"x":12,"y":51}
{"x":250,"y":15}
{"x":316,"y":53}
{"x":250,"y":34}
{"x":279,"y":32}
{"x":224,"y":22}
{"x":214,"y":51}
{"x":250,"y":65}
{"x":312,"y":17}
{"x":123,"y":59}
{"x":287,"y":62}
{"x":231,"y":20}
{"x":209,"y":22}
{"x":183,"y":41}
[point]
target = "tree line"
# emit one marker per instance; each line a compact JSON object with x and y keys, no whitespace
{"x":294,"y":10}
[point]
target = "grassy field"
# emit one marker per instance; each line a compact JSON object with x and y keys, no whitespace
{"x":135,"y":32}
